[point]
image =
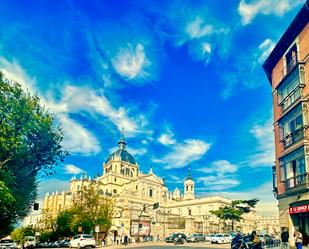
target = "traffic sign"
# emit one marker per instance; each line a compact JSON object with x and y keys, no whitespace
{"x":97,"y":229}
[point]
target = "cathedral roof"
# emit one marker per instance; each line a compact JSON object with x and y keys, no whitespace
{"x":121,"y":154}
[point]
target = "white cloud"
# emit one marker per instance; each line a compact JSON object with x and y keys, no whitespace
{"x":72,"y":169}
{"x":137,"y":151}
{"x":249,"y":10}
{"x":184,"y":153}
{"x":78,"y":139}
{"x":174,"y":179}
{"x":220,"y":167}
{"x":265,"y":153}
{"x":167,"y":138}
{"x":265,"y":48}
{"x":131,"y":62}
{"x":220,"y":175}
{"x":218,"y":182}
{"x":76,"y":99}
{"x":14,"y":72}
{"x":197,"y":29}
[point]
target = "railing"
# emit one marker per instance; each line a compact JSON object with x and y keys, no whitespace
{"x":297,"y":181}
{"x":296,"y":79}
{"x":293,"y":137}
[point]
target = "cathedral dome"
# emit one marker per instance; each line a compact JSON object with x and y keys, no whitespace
{"x":121,"y":154}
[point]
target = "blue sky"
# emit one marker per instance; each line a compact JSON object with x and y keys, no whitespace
{"x":183,"y":78}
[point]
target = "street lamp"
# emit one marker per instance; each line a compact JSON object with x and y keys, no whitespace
{"x":154,"y":206}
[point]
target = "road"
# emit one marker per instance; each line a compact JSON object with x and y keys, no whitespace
{"x":163,"y":245}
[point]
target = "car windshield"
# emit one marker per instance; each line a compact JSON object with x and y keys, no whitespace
{"x":6,"y":241}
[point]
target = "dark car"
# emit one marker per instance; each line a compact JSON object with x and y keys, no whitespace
{"x":196,"y":237}
{"x":170,"y":239}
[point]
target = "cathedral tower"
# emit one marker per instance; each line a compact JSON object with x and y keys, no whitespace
{"x":189,"y":187}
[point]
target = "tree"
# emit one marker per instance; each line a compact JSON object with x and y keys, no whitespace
{"x":64,"y":222}
{"x":235,"y":210}
{"x":91,"y":208}
{"x":30,"y":142}
{"x":19,"y":234}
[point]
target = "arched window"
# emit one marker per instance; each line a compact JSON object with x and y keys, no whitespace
{"x":187,"y":188}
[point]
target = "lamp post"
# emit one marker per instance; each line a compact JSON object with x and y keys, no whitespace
{"x":154,"y":206}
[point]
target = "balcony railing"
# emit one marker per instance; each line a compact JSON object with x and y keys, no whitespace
{"x":297,"y":181}
{"x":296,"y":79}
{"x":293,"y":137}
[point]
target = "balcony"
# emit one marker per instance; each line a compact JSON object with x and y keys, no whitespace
{"x":297,"y":183}
{"x":294,"y":137}
{"x":290,"y":88}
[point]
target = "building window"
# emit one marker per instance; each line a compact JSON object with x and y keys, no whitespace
{"x":187,"y":188}
{"x":292,"y":127}
{"x":294,"y":168}
{"x":291,"y":58}
{"x":115,"y":179}
{"x":115,"y":191}
{"x":191,"y":188}
{"x":150,"y":193}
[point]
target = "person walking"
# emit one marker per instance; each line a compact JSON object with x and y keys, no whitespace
{"x":126,"y":240}
{"x":285,"y":239}
{"x":298,"y":239}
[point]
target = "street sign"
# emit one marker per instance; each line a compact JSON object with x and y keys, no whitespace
{"x":97,"y":229}
{"x":80,"y":229}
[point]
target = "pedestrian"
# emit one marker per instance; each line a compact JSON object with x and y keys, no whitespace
{"x":125,"y":240}
{"x":285,"y":239}
{"x":298,"y":239}
{"x":256,"y":241}
{"x":118,"y":239}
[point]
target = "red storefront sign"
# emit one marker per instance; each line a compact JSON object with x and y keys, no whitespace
{"x":299,"y":209}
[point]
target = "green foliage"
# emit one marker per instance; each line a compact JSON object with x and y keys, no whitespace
{"x":29,"y":142}
{"x":235,"y":211}
{"x":93,"y":208}
{"x":19,"y":234}
{"x":90,"y":208}
{"x":48,"y":236}
{"x":64,"y":223}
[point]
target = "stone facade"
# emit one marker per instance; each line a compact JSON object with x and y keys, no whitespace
{"x":132,"y":189}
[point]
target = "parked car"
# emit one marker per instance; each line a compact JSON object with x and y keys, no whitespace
{"x":30,"y":242}
{"x":221,"y":239}
{"x":7,"y":244}
{"x":65,"y":243}
{"x":209,"y":237}
{"x":171,"y":238}
{"x":82,"y":240}
{"x":196,"y":237}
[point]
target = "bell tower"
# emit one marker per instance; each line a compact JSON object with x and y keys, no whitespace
{"x":189,"y":187}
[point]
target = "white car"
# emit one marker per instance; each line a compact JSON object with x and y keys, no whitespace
{"x":209,"y":237}
{"x":82,"y":240}
{"x":7,"y":244}
{"x":220,"y":239}
{"x":30,"y":242}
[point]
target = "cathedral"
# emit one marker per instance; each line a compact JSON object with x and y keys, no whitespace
{"x":179,"y":211}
